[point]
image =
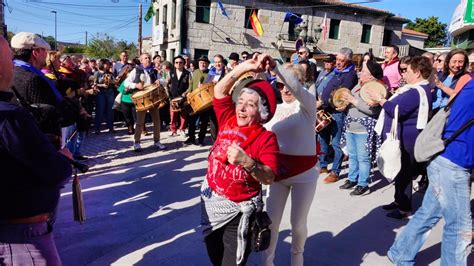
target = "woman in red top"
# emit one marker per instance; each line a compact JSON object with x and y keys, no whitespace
{"x":243,"y":157}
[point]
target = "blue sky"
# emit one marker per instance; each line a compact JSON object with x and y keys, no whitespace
{"x":120,"y":19}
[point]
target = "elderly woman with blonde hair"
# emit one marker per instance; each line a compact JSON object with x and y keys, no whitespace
{"x":293,"y":125}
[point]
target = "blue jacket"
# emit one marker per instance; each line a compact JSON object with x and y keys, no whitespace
{"x":32,"y":170}
{"x":461,"y":150}
{"x":346,"y":78}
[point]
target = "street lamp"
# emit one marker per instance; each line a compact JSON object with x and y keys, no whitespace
{"x":55,"y":29}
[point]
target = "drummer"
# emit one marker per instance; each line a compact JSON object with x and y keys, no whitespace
{"x":358,"y":131}
{"x":136,"y":81}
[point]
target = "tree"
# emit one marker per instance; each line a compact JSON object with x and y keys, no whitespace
{"x":105,"y":46}
{"x":437,"y":31}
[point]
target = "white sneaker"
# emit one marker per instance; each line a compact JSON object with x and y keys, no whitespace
{"x":137,"y":147}
{"x":182,"y":133}
{"x":159,"y":146}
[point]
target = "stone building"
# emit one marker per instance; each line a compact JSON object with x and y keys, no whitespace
{"x":198,"y":27}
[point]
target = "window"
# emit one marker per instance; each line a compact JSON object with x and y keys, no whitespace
{"x":172,"y":54}
{"x":248,"y":13}
{"x":366,"y":30}
{"x":334,"y":29}
{"x":387,"y":37}
{"x":173,"y":14}
{"x":203,"y":11}
{"x":292,"y":34}
{"x":200,"y":52}
{"x":165,"y":16}
{"x":157,"y":17}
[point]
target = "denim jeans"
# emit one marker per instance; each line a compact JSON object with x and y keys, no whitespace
{"x":334,"y":130}
{"x":359,"y":160}
{"x":104,"y":101}
{"x":80,"y":136}
{"x":27,"y":244}
{"x":448,"y":197}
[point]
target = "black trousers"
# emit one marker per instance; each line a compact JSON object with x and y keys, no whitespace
{"x":204,"y":121}
{"x":128,"y":110}
{"x":222,"y":244}
{"x":404,"y":180}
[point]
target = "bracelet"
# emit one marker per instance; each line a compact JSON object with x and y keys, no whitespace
{"x":252,"y":168}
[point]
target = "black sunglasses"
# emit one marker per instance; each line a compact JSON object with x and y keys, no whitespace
{"x":403,"y":70}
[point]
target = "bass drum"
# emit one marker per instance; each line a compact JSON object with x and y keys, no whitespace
{"x":151,"y":96}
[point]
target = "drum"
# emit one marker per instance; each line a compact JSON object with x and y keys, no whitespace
{"x":323,"y":119}
{"x":176,"y":104}
{"x":201,"y":98}
{"x":337,"y":100}
{"x":373,"y":86}
{"x":151,"y":96}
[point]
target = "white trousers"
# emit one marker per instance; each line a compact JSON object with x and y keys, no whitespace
{"x":302,"y":195}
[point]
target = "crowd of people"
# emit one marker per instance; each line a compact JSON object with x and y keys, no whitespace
{"x":262,"y":127}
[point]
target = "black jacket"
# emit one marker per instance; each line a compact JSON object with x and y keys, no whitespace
{"x":179,"y":86}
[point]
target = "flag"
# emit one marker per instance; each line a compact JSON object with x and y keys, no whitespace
{"x":221,"y":7}
{"x":150,"y":13}
{"x":293,"y":17}
{"x":256,"y":25}
{"x":324,"y":28}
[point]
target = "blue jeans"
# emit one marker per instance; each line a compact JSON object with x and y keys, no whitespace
{"x":359,"y":160}
{"x":27,"y":244}
{"x":104,"y":101}
{"x":334,"y":130}
{"x":448,"y":197}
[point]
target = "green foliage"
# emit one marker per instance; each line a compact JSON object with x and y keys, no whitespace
{"x":74,"y":50}
{"x":437,"y":31}
{"x":10,"y":36}
{"x":105,"y":46}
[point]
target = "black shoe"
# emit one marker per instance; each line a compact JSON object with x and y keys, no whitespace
{"x":190,"y":141}
{"x":399,"y":215}
{"x":360,"y":191}
{"x":112,"y":131}
{"x":201,"y":143}
{"x":348,"y":184}
{"x":390,"y":207}
{"x":79,"y":157}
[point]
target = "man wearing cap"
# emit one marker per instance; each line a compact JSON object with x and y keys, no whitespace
{"x":233,"y":61}
{"x":199,"y":76}
{"x":29,"y":188}
{"x":179,"y":83}
{"x":326,"y":75}
{"x":344,"y":76}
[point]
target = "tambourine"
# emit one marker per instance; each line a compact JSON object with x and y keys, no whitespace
{"x":373,"y":86}
{"x":337,"y":98}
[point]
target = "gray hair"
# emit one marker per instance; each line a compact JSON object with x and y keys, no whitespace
{"x":262,"y":107}
{"x":347,"y":52}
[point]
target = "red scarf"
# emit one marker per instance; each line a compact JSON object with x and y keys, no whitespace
{"x":396,"y":59}
{"x":292,"y":165}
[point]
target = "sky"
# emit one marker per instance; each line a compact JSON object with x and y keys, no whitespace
{"x":119,"y":18}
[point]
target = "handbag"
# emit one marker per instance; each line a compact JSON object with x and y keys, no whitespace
{"x":430,"y":142}
{"x":389,"y":160}
{"x":260,"y":231}
{"x":117,"y":102}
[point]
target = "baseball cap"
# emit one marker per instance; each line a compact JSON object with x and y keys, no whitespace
{"x":330,"y":58}
{"x":28,"y":40}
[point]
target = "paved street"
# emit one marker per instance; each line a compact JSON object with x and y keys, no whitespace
{"x":143,"y":208}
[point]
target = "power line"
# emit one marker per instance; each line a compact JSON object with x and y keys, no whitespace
{"x":85,"y":6}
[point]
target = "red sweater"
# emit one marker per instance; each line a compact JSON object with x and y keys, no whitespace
{"x":231,"y":181}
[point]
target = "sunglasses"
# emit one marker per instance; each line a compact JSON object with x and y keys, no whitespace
{"x":179,"y":62}
{"x":280,"y":85}
{"x":301,"y":53}
{"x":403,"y":70}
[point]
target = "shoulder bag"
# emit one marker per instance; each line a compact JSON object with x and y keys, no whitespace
{"x":389,"y":160}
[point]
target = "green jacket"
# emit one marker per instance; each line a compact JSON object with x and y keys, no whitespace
{"x":198,"y":77}
{"x":126,"y":96}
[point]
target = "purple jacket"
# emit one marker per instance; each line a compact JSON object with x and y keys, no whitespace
{"x":408,"y":103}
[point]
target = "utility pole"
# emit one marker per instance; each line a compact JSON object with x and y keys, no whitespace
{"x":139,"y":29}
{"x":55,"y":30}
{"x":86,"y":38}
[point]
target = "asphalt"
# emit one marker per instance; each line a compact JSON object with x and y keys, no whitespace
{"x":144,"y":209}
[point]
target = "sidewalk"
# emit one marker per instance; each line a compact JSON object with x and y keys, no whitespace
{"x":144,"y":208}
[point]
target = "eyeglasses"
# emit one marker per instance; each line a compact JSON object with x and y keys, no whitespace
{"x":301,"y":53}
{"x":179,"y":62}
{"x":403,"y":70}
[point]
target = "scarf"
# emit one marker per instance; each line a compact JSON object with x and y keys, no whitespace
{"x":395,"y":60}
{"x":30,"y":68}
{"x":423,"y":107}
